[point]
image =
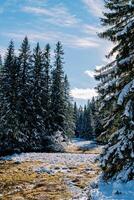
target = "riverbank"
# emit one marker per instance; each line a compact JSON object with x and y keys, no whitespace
{"x":50,"y":176}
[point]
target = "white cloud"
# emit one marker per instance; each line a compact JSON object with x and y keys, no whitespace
{"x":80,"y":93}
{"x":92,"y":30}
{"x":36,"y":2}
{"x":67,"y":39}
{"x":2,"y":51}
{"x":98,"y":67}
{"x":31,"y":35}
{"x":85,"y":42}
{"x":38,"y":11}
{"x":58,"y":15}
{"x":95,"y":7}
{"x":90,"y":73}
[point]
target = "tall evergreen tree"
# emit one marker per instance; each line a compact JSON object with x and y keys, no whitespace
{"x":33,"y":103}
{"x":116,"y":91}
{"x":85,"y":124}
{"x":57,"y":95}
{"x":69,"y":112}
{"x":37,"y":81}
{"x":25,"y":92}
{"x":83,"y":121}
{"x":75,"y":111}
{"x":8,"y":100}
{"x":80,"y":121}
{"x":1,"y":67}
{"x":46,"y":87}
{"x":95,"y":119}
{"x":0,"y":61}
{"x":25,"y":60}
{"x":88,"y":123}
{"x":37,"y":89}
{"x":76,"y":117}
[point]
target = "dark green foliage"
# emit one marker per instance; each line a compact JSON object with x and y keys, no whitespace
{"x":8,"y":101}
{"x":0,"y":61}
{"x":80,"y":122}
{"x":116,"y":94}
{"x":36,"y":113}
{"x":96,"y":121}
{"x":76,"y":117}
{"x":37,"y":89}
{"x":46,"y":87}
{"x":57,"y":91}
{"x":69,"y":123}
{"x":25,"y":111}
{"x":83,"y":121}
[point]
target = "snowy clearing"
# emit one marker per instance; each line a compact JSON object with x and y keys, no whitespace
{"x":78,"y":171}
{"x":53,"y":158}
{"x":75,"y":169}
{"x":112,"y":190}
{"x":81,"y":143}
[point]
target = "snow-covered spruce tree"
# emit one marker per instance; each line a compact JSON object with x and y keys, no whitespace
{"x":46,"y":87}
{"x":117,"y":91}
{"x":9,"y":137}
{"x":25,"y":109}
{"x":95,"y":118}
{"x":36,"y":94}
{"x":80,"y":121}
{"x":57,"y":91}
{"x":83,"y":121}
{"x":88,"y":121}
{"x":0,"y":61}
{"x":69,"y":112}
{"x":76,"y":116}
{"x":107,"y":103}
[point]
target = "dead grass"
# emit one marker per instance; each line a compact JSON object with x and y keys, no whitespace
{"x":82,"y":175}
{"x":74,"y":149}
{"x":19,"y":182}
{"x":71,"y":149}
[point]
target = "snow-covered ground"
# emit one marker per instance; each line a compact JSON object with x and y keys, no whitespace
{"x":84,"y":144}
{"x":112,"y":190}
{"x":53,"y":158}
{"x":72,"y":165}
{"x":62,"y":162}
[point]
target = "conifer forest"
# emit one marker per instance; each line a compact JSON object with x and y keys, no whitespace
{"x":52,"y":147}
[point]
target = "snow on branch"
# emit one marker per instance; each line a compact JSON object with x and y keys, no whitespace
{"x":125,"y":91}
{"x":127,"y":111}
{"x":127,"y":59}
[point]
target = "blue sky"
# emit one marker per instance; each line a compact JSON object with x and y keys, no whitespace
{"x":73,"y":22}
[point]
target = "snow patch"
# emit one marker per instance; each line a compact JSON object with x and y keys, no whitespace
{"x":112,"y":190}
{"x":125,"y":91}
